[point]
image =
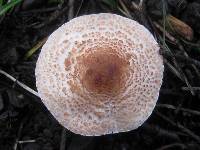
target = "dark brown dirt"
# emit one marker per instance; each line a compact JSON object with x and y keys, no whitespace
{"x":23,"y":117}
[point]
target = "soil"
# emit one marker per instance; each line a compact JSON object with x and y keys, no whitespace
{"x":26,"y":124}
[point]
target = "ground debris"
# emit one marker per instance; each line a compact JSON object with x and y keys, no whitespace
{"x":28,"y":124}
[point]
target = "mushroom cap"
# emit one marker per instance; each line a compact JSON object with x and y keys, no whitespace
{"x":100,"y":74}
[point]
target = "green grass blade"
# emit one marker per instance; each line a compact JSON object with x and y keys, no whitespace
{"x":7,"y":6}
{"x":35,"y":48}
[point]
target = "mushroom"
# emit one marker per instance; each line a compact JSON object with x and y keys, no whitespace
{"x":100,"y":74}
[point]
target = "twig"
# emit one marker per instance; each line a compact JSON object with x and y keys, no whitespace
{"x":140,"y":3}
{"x":139,"y":6}
{"x":182,"y":58}
{"x":190,"y":43}
{"x":54,"y":15}
{"x":168,"y":106}
{"x":26,"y":141}
{"x":124,"y":9}
{"x":169,"y":146}
{"x":194,"y":88}
{"x":165,"y":46}
{"x":164,"y":22}
{"x":63,"y":139}
{"x":183,"y":76}
{"x":181,"y":127}
{"x":79,"y":8}
{"x":160,"y":132}
{"x":173,"y":69}
{"x":71,"y":9}
{"x":164,"y":91}
{"x":19,"y":83}
{"x":195,"y":62}
{"x":196,"y":70}
{"x":40,"y":10}
{"x":167,"y":34}
{"x":19,"y":133}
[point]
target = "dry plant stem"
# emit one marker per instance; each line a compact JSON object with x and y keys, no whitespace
{"x":63,"y":139}
{"x":184,"y":76}
{"x":194,"y":88}
{"x":188,"y":59}
{"x":170,"y":92}
{"x":19,"y":83}
{"x":179,"y":69}
{"x":52,"y":17}
{"x":138,"y":6}
{"x":165,"y":47}
{"x":190,"y":43}
{"x":168,"y":35}
{"x":157,"y":130}
{"x":179,"y":74}
{"x":18,"y":134}
{"x":197,"y":71}
{"x":141,"y":2}
{"x":195,"y":62}
{"x":173,"y":69}
{"x":173,"y":145}
{"x":79,"y":8}
{"x":35,"y":48}
{"x":181,"y":127}
{"x":27,"y":141}
{"x":182,"y":58}
{"x":168,"y":106}
{"x":39,"y":10}
{"x":71,"y":9}
{"x":124,"y":9}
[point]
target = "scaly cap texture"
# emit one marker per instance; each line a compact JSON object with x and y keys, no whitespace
{"x":100,"y":74}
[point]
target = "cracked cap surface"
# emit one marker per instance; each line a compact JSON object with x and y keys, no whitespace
{"x":100,"y":74}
